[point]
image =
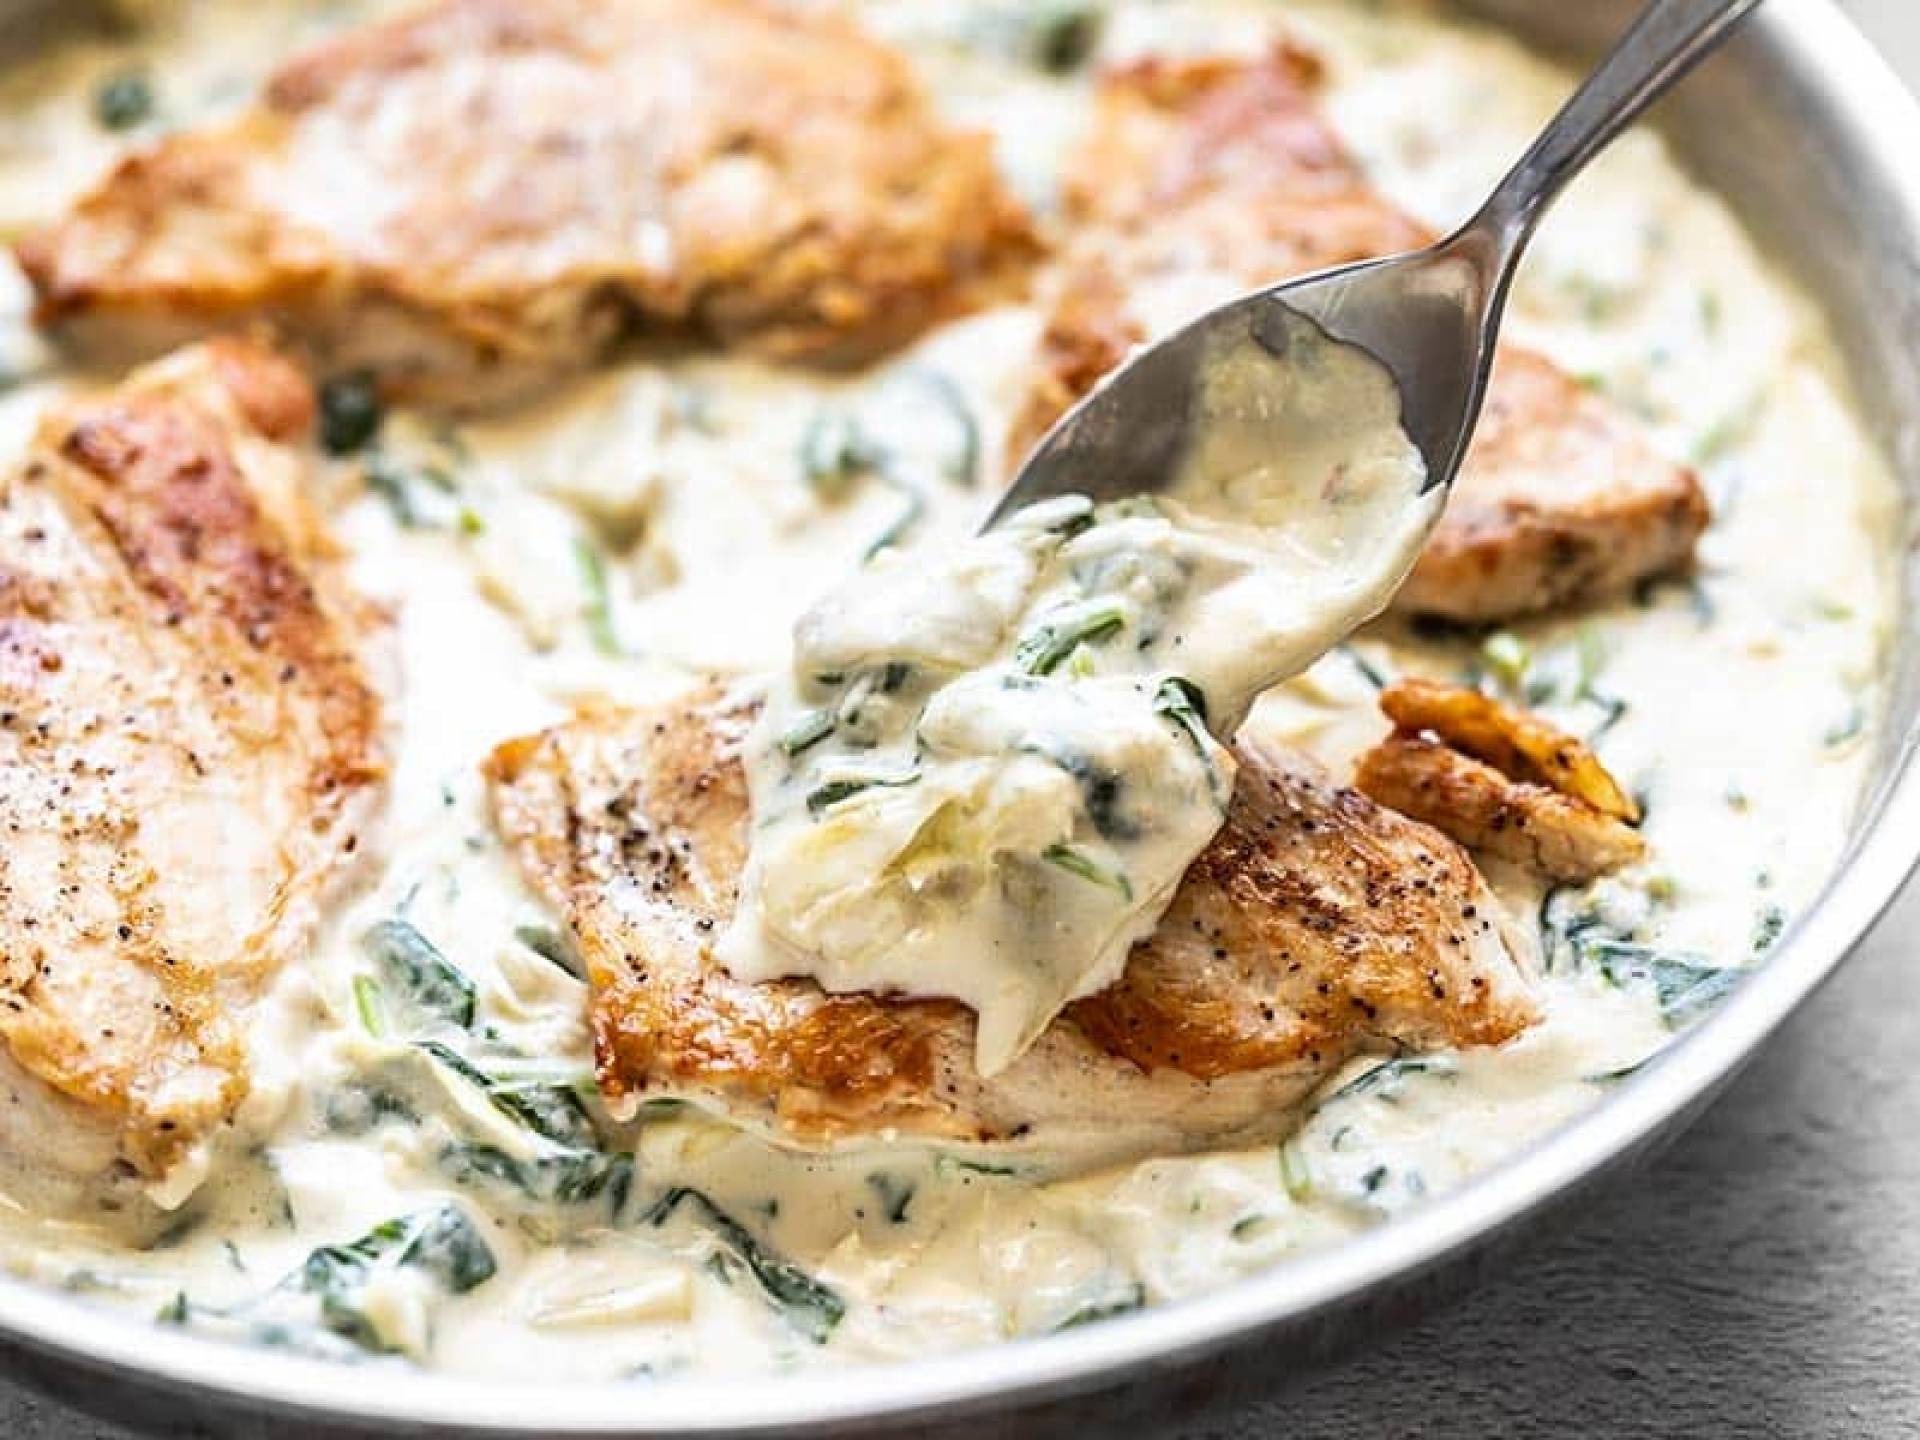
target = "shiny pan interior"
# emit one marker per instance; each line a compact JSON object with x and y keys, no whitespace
{"x":1810,"y":136}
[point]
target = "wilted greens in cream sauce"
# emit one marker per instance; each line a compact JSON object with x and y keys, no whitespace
{"x":425,"y":1169}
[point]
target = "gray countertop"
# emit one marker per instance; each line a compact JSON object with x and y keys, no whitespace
{"x":1762,"y":1279}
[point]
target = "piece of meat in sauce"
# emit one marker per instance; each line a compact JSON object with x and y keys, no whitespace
{"x":1315,"y":927}
{"x":190,"y":746}
{"x":1501,"y":782}
{"x":480,"y":194}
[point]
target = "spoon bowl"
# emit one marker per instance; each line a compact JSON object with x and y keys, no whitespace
{"x":1428,"y":317}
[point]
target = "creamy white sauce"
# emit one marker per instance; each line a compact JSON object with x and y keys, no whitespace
{"x":990,"y":761}
{"x":709,"y":540}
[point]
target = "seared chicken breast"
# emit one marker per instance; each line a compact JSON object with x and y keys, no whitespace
{"x":1204,"y":177}
{"x":1501,"y":782}
{"x":190,"y":745}
{"x":479,"y":194}
{"x":1316,"y":926}
{"x":1560,"y":501}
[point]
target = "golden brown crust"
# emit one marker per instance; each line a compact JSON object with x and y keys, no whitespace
{"x":1515,"y":742}
{"x":1561,"y":501}
{"x":1363,"y":922}
{"x":480,"y":193}
{"x":1226,"y":168}
{"x":1500,"y":781}
{"x":187,"y":739}
{"x":274,"y":398}
{"x":659,"y":800}
{"x":1316,"y":926}
{"x":176,"y":229}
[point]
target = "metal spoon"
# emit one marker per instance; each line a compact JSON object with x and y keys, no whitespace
{"x":1429,"y":317}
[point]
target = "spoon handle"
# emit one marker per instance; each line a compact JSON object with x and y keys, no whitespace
{"x":1666,"y":41}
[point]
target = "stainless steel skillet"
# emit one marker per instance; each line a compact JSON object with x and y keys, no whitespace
{"x":1805,"y":130}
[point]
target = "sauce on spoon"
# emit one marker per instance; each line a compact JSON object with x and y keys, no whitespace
{"x":987,"y":767}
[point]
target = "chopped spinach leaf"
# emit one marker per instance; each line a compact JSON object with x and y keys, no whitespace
{"x":350,"y":412}
{"x":1076,"y":517}
{"x":825,"y":797}
{"x":1102,"y":788}
{"x":1134,"y":1298}
{"x":1180,"y":701}
{"x":1728,"y":432}
{"x":176,"y":1230}
{"x":553,"y":1112}
{"x":1613,"y":710}
{"x":1646,"y":594}
{"x":1591,"y":649}
{"x":554,"y":946}
{"x":1040,"y":650}
{"x":838,"y":450}
{"x":1065,"y":36}
{"x":572,"y":1178}
{"x":356,"y":1109}
{"x":413,"y":969}
{"x":853,"y":716}
{"x":949,"y":1165}
{"x":123,"y":100}
{"x":1767,"y":926}
{"x":443,"y":1242}
{"x":1295,"y":1174}
{"x":813,"y":1308}
{"x":1684,"y":986}
{"x":1614,"y":1077}
{"x":808,"y":731}
{"x":448,"y":1246}
{"x":400,"y":483}
{"x":1564,"y":938}
{"x":961,"y":464}
{"x":1053,"y":36}
{"x":913,"y":507}
{"x":1386,"y":1080}
{"x":1369,"y":672}
{"x":599,"y":598}
{"x":390,"y":484}
{"x":1847,"y":728}
{"x":1567,"y":673}
{"x":367,"y":1006}
{"x":834,"y":453}
{"x":895,"y":1195}
{"x":1077,"y":862}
